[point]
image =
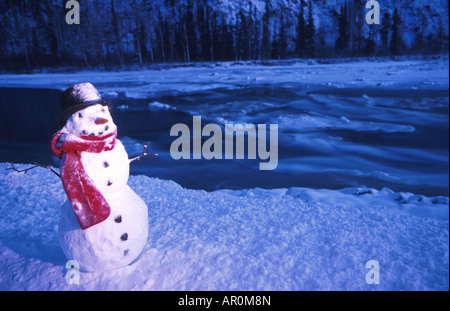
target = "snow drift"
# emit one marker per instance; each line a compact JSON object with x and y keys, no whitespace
{"x":255,"y":239}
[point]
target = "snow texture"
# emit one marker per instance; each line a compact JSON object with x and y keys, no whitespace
{"x":86,"y":91}
{"x":280,"y":239}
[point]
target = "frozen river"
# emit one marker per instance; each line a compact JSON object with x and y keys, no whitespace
{"x":365,"y":125}
{"x":328,"y":138}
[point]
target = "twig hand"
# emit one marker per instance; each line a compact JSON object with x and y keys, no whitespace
{"x":144,"y":154}
{"x":32,"y":167}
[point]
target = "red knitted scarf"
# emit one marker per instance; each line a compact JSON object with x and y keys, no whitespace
{"x":88,"y":203}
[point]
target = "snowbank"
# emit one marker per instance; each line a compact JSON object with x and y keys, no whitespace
{"x":409,"y":74}
{"x":279,"y":239}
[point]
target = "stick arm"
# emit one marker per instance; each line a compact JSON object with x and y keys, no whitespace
{"x":143,"y":154}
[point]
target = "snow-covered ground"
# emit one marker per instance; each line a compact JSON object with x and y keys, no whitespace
{"x":376,"y":73}
{"x":291,"y":238}
{"x":280,"y":239}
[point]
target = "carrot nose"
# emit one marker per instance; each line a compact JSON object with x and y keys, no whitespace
{"x":99,"y":121}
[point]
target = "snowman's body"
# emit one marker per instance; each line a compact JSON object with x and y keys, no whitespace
{"x":119,"y":239}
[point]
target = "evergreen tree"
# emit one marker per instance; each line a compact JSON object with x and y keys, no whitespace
{"x":310,"y":33}
{"x":395,"y":40}
{"x":279,"y":43}
{"x":243,"y":37}
{"x":205,"y":48}
{"x":162,"y":36}
{"x":301,"y":32}
{"x":265,"y":45}
{"x":116,"y":35}
{"x":385,"y":27}
{"x":224,"y":45}
{"x":254,"y":26}
{"x":370,"y":44}
{"x":342,"y":42}
{"x":191,"y":32}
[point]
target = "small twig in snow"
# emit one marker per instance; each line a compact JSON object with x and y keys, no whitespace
{"x":144,"y":154}
{"x":32,"y":167}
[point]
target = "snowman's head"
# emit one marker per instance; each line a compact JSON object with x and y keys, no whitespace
{"x":92,"y":121}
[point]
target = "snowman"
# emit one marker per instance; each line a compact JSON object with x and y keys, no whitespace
{"x":104,"y":223}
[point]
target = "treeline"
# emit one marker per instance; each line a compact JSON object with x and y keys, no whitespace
{"x":34,"y":34}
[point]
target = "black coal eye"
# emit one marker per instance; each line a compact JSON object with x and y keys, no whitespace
{"x":84,"y":132}
{"x":80,"y":115}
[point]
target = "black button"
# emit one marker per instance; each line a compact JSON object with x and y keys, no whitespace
{"x":118,"y":219}
{"x":109,"y":183}
{"x":124,"y":237}
{"x":105,"y":164}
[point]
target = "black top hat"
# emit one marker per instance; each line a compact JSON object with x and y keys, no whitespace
{"x":78,"y":97}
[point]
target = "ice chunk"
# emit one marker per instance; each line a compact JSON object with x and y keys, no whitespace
{"x":157,"y":106}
